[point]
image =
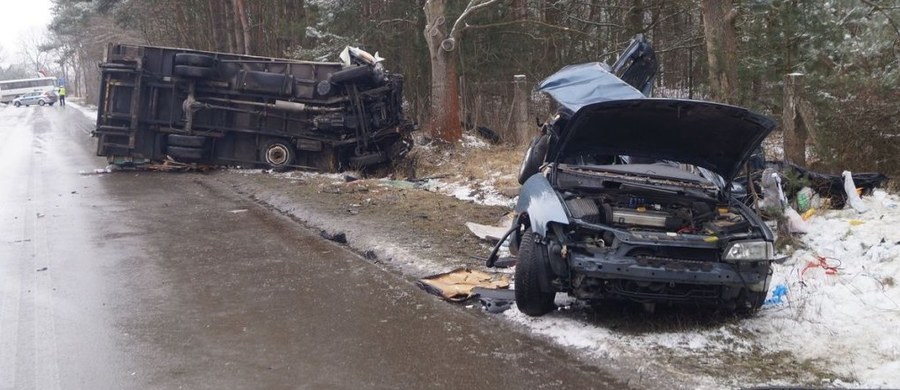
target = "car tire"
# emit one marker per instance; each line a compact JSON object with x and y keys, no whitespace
{"x":193,"y":141}
{"x":17,"y":104}
{"x":198,"y":72}
{"x":534,"y":157}
{"x":186,"y":153}
{"x":41,"y":102}
{"x":278,"y":153}
{"x":531,"y":266}
{"x":191,"y":59}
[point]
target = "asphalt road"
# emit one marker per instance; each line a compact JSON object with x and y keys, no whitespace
{"x":153,"y":280}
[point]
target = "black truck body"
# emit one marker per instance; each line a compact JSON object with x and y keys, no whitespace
{"x":229,"y":109}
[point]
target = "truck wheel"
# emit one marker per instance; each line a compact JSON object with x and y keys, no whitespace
{"x":181,"y":152}
{"x":278,"y":153}
{"x":194,"y":72}
{"x":530,"y":299}
{"x":193,"y":141}
{"x":352,"y":74}
{"x":192,"y":59}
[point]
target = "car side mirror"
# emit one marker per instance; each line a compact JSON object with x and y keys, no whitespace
{"x":534,"y":157}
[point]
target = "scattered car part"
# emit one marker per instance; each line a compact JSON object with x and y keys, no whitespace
{"x":458,"y":285}
{"x":494,"y":300}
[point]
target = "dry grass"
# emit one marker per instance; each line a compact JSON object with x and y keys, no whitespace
{"x":499,"y":163}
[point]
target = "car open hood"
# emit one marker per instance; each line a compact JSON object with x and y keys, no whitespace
{"x":710,"y":135}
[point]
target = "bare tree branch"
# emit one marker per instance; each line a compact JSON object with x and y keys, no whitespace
{"x":473,"y":6}
{"x":528,"y":21}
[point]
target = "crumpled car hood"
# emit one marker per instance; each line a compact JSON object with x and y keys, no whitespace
{"x":714,"y":136}
{"x":576,"y":86}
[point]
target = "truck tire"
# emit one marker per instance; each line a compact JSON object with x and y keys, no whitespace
{"x":194,"y":141}
{"x":530,"y":298}
{"x":356,"y":73}
{"x":186,"y":153}
{"x":200,"y":60}
{"x":278,"y":153}
{"x":198,"y":72}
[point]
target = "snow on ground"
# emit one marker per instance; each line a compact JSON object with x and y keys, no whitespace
{"x":89,"y":112}
{"x":849,"y":316}
{"x":479,"y":192}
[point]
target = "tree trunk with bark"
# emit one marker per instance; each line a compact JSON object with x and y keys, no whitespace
{"x":721,"y":49}
{"x":798,"y":120}
{"x":444,"y":73}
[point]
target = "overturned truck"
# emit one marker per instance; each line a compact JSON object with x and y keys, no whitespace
{"x":230,"y":109}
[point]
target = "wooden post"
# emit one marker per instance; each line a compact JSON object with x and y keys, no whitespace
{"x":795,"y":130}
{"x":520,"y":105}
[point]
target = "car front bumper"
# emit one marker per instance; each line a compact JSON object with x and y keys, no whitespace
{"x":752,"y":275}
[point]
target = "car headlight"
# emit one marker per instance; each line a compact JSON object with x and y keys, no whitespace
{"x":750,"y":250}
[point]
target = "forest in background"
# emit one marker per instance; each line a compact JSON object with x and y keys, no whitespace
{"x":732,"y":51}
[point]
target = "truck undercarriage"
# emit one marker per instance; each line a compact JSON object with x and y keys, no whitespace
{"x":229,"y":109}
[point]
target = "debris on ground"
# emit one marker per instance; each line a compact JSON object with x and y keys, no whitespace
{"x":487,"y":232}
{"x":459,"y":285}
{"x":852,"y":195}
{"x":833,"y":186}
{"x":171,"y":165}
{"x":495,"y":300}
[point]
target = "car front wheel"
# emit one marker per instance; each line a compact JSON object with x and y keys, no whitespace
{"x":41,"y":103}
{"x":533,"y":265}
{"x":17,"y":104}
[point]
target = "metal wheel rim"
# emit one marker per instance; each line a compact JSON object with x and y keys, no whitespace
{"x":277,"y":155}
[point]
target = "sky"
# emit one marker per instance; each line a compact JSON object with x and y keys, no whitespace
{"x":18,"y":17}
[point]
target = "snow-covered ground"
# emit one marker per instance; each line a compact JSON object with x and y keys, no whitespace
{"x":482,"y":192}
{"x":89,"y":111}
{"x":850,"y":315}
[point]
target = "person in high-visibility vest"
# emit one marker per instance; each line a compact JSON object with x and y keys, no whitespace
{"x":62,"y":96}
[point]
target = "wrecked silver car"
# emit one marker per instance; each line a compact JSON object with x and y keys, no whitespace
{"x":626,"y":197}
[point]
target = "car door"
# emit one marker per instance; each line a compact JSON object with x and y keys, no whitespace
{"x":637,"y":65}
{"x":30,"y":98}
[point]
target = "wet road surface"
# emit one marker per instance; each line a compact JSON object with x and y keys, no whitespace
{"x":150,"y":280}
